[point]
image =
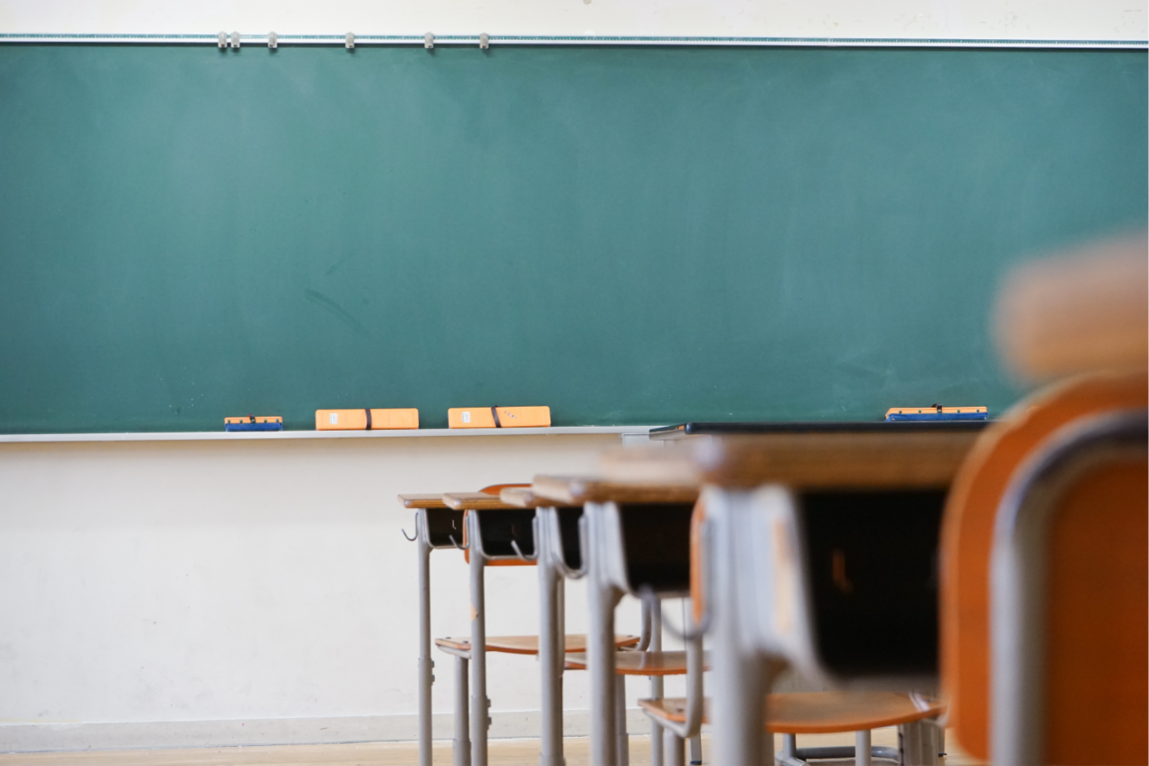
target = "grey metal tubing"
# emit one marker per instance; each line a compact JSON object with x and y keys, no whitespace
{"x":696,"y":750}
{"x":656,"y":685}
{"x":836,"y":752}
{"x":621,"y":735}
{"x":462,"y":744}
{"x":675,"y":752}
{"x":480,"y":720}
{"x":789,"y":746}
{"x":602,"y":597}
{"x":741,"y":676}
{"x":918,"y":743}
{"x":862,"y":747}
{"x":551,"y":638}
{"x":426,"y":664}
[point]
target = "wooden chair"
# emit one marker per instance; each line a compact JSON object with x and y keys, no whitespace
{"x":1044,"y":578}
{"x":672,"y":733}
{"x":795,"y":713}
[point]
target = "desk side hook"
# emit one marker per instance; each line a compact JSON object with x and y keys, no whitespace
{"x":414,"y":537}
{"x":584,"y":545}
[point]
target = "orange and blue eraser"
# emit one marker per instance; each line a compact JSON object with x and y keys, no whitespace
{"x":937,"y":412}
{"x":253,"y":423}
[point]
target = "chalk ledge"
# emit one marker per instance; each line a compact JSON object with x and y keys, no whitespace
{"x":281,"y":435}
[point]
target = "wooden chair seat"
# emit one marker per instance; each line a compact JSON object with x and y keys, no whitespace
{"x":638,"y":663}
{"x":821,"y":712}
{"x":527,"y":644}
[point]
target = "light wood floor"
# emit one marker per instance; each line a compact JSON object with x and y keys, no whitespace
{"x":505,"y":752}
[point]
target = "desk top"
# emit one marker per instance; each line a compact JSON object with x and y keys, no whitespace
{"x":423,"y":501}
{"x":863,"y":460}
{"x":578,"y":490}
{"x":477,"y":501}
{"x":683,"y":430}
{"x":525,"y":497}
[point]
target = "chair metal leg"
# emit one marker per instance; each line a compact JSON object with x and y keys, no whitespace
{"x":696,"y":750}
{"x":862,"y":747}
{"x":918,"y":742}
{"x":462,"y":748}
{"x":673,"y":748}
{"x":623,"y":738}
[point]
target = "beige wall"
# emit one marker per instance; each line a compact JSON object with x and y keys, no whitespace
{"x":158,"y":593}
{"x":982,"y":19}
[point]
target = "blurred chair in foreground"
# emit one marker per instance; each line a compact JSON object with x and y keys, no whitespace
{"x":1045,"y":570}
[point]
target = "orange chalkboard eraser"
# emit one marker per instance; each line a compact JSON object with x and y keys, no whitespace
{"x":366,"y":420}
{"x":499,"y":417}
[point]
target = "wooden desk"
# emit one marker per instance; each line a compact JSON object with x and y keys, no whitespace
{"x":559,"y":555}
{"x":436,"y":526}
{"x":638,"y":538}
{"x":801,"y":531}
{"x":495,"y":531}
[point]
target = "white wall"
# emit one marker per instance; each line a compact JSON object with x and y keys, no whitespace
{"x":261,"y":589}
{"x":981,"y":19}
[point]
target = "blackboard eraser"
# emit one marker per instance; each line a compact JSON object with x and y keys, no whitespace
{"x":253,"y":423}
{"x":499,"y":417}
{"x":367,"y":420}
{"x":937,"y":412}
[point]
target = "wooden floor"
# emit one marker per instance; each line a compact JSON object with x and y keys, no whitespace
{"x":504,"y":752}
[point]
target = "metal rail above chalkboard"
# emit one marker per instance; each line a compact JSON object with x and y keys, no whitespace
{"x":483,"y":39}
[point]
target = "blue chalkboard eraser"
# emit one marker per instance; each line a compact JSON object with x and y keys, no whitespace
{"x":937,"y":412}
{"x":253,"y":423}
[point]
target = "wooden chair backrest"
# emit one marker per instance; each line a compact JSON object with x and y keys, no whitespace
{"x":968,"y":533}
{"x":1097,"y":622}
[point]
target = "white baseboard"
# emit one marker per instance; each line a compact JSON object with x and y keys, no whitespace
{"x":38,"y":737}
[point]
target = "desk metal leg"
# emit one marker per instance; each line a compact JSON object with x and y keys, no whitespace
{"x":462,"y":747}
{"x":551,"y":649}
{"x":602,"y":598}
{"x":741,"y":676}
{"x":480,"y":705}
{"x":426,"y":664}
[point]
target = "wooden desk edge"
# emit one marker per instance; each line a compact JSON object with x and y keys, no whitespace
{"x":477,"y":501}
{"x":423,"y":501}
{"x":577,"y":490}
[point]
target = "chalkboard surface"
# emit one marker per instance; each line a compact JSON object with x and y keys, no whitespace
{"x":629,"y":235}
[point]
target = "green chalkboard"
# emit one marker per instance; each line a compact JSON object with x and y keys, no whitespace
{"x":629,"y":235}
